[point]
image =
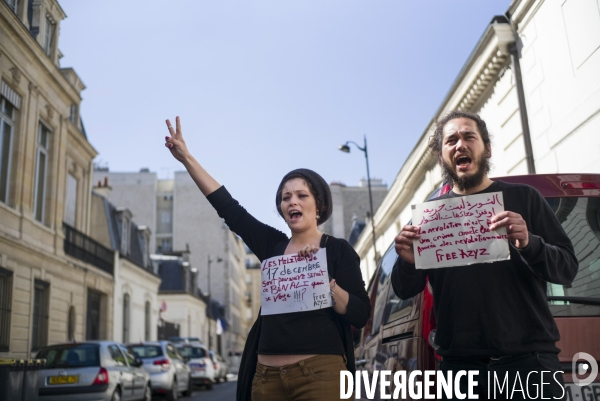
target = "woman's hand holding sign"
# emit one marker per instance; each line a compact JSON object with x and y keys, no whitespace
{"x":516,"y":227}
{"x":404,"y":243}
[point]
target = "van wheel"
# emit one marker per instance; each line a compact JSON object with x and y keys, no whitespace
{"x":172,"y":393}
{"x":209,"y":386}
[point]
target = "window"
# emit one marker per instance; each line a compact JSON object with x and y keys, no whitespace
{"x":116,"y":355}
{"x":7,"y":112}
{"x":13,"y":5}
{"x":147,"y":351}
{"x":172,"y":353}
{"x":5,"y":307}
{"x":580,"y":217}
{"x":126,"y":318}
{"x":73,"y":113}
{"x":39,"y":330}
{"x":145,"y":246}
{"x":49,"y":35}
{"x":71,"y":201}
{"x":128,"y":355}
{"x":71,"y":355}
{"x":165,"y":217}
{"x":41,"y":172}
{"x":125,"y":236}
{"x":92,"y":331}
{"x":165,"y":245}
{"x":147,"y":329}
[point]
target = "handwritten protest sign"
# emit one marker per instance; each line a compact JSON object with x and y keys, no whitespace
{"x":455,"y":231}
{"x":291,"y":283}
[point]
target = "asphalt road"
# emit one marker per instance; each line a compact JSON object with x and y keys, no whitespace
{"x":220,"y":392}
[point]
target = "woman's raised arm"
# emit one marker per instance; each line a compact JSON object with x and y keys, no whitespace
{"x":179,"y":150}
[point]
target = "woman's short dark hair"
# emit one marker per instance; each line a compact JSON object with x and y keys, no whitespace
{"x":438,"y":135}
{"x":318,"y":188}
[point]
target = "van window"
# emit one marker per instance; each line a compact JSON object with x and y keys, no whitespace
{"x":387,"y":263}
{"x":580,"y":217}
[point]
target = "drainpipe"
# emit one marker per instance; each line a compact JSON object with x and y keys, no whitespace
{"x":516,"y":66}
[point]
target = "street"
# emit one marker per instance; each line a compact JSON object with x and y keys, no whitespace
{"x":220,"y":392}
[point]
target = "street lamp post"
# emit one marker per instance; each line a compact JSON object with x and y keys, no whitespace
{"x":209,"y":261}
{"x":346,"y":149}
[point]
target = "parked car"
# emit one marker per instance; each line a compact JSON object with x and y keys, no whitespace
{"x":169,"y":374}
{"x":400,"y":332}
{"x":200,"y":363}
{"x":177,"y":340}
{"x":221,"y":367}
{"x":98,"y":370}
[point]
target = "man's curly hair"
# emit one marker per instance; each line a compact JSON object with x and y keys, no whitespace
{"x":438,"y":135}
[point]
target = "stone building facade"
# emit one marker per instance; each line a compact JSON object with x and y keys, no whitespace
{"x":351,"y":206}
{"x":53,"y":289}
{"x":135,"y":299}
{"x":533,"y":77}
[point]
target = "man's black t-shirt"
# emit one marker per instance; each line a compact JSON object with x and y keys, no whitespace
{"x":499,"y":308}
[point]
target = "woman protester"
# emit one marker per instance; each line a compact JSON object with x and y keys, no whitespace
{"x":291,"y":356}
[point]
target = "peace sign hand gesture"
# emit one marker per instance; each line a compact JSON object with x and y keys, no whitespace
{"x":175,"y":142}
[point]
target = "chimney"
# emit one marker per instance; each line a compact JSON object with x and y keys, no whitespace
{"x":103,"y":189}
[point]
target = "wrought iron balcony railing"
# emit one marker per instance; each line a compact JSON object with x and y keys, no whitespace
{"x":82,"y":247}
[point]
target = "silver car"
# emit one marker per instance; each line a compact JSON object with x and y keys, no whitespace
{"x":169,"y":374}
{"x":222,"y":367}
{"x":198,"y":359}
{"x":92,"y":371}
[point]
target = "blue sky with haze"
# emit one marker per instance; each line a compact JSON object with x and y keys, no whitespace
{"x":263,"y":87}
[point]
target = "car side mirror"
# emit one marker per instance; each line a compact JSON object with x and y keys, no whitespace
{"x":138,"y":363}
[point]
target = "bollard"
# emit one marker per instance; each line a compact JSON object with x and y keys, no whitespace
{"x":31,"y":374}
{"x":11,"y":379}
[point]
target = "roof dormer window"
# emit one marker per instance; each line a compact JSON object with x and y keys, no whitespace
{"x":125,"y":235}
{"x":49,"y":30}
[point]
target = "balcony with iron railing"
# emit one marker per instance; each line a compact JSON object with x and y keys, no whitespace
{"x":84,"y":248}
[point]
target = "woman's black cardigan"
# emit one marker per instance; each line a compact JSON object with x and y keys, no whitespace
{"x":343,"y":265}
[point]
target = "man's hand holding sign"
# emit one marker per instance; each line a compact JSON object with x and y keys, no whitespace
{"x":457,"y":231}
{"x":461,"y":231}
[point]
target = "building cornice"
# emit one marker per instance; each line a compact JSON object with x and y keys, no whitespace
{"x":478,"y":74}
{"x":135,"y":267}
{"x":34,"y":51}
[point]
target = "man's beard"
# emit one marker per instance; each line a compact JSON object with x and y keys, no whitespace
{"x":467,"y":181}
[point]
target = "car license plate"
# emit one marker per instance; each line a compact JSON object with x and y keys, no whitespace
{"x":63,"y":379}
{"x":591,"y":392}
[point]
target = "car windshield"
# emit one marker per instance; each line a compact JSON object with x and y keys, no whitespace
{"x":146,"y":351}
{"x":580,"y":217}
{"x":70,"y":356}
{"x":192,"y":352}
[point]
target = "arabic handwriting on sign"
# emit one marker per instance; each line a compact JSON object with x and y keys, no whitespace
{"x":457,"y":230}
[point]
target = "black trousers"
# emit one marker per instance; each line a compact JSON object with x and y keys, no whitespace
{"x":532,"y":376}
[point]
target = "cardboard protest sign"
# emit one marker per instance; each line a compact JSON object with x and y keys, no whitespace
{"x":291,"y":283}
{"x":455,"y":231}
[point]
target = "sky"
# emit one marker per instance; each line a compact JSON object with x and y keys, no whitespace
{"x":264,"y":87}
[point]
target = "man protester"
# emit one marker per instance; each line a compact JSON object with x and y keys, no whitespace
{"x":494,"y":317}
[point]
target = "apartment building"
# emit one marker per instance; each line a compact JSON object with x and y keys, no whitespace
{"x":56,"y":283}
